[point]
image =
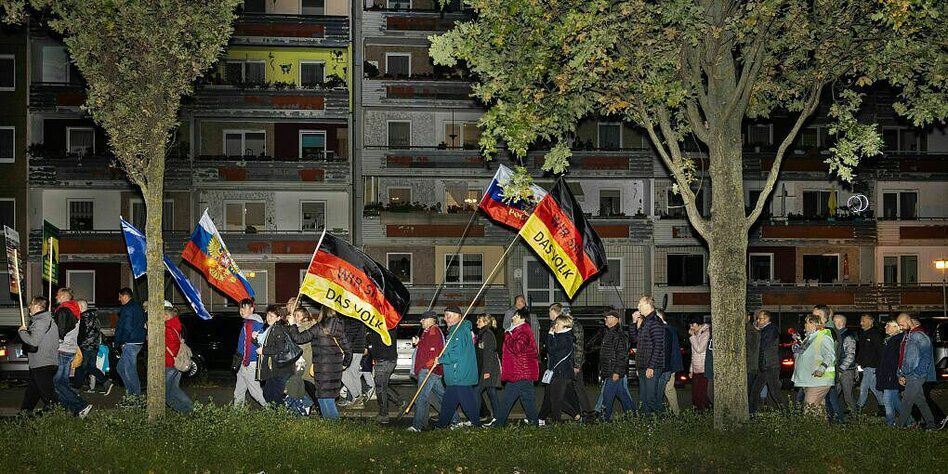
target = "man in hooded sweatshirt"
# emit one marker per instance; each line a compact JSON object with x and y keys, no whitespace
{"x":67,"y":316}
{"x":247,"y":370}
{"x":43,"y":335}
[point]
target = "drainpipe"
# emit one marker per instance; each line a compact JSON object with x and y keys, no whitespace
{"x":355,"y":124}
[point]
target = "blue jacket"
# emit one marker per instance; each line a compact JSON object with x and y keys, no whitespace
{"x":459,"y":359}
{"x":650,"y":343}
{"x":673,"y":361}
{"x":257,"y":325}
{"x":130,"y":328}
{"x":918,"y":360}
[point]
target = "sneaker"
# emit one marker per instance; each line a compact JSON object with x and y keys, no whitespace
{"x":358,"y":403}
{"x":370,"y":395}
{"x":489,"y":423}
{"x":344,"y":403}
{"x":412,"y":429}
{"x":541,"y":422}
{"x":941,"y":426}
{"x":107,"y":388}
{"x":382,"y":420}
{"x":85,"y":411}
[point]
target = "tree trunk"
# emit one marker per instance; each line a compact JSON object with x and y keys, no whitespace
{"x":727,"y":270}
{"x":153,"y":195}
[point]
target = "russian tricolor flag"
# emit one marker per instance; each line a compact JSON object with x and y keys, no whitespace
{"x":513,"y":214}
{"x":206,"y":252}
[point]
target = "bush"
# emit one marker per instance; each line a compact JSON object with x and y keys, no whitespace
{"x":221,"y":439}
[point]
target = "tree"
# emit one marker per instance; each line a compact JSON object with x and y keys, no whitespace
{"x":139,"y":58}
{"x":697,"y":70}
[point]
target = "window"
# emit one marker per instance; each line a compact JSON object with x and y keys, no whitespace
{"x":80,"y":215}
{"x":6,"y":298}
{"x":400,"y":265}
{"x":399,"y":4}
{"x":908,"y":268}
{"x":313,"y":145}
{"x":540,"y":286}
{"x":7,"y":72}
{"x":610,"y":202}
{"x":245,"y":216}
{"x":890,"y":270}
{"x":752,"y":196}
{"x":238,"y":72}
{"x":399,"y":195}
{"x":255,"y":6}
{"x":610,"y":136}
{"x":398,"y":64}
{"x":466,"y":268}
{"x":900,"y":205}
{"x":462,"y":134}
{"x":312,"y":73}
{"x":676,"y":204}
{"x":903,"y":139}
{"x":812,"y":137}
{"x":7,"y":214}
{"x":138,"y":214}
{"x":313,"y":7}
{"x":821,"y":268}
{"x":312,"y":215}
{"x":239,"y":143}
{"x":7,"y":144}
{"x":612,"y":277}
{"x":760,"y":135}
{"x":399,"y":134}
{"x":760,"y":267}
{"x":258,"y":282}
{"x":819,"y":203}
{"x":82,"y":283}
{"x":80,"y":141}
{"x":461,"y":199}
{"x":55,"y":64}
{"x":685,"y":270}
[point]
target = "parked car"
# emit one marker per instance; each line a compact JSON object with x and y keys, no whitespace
{"x":13,"y":362}
{"x":403,"y":334}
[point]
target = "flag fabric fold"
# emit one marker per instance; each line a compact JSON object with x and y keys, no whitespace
{"x":206,"y":252}
{"x":135,"y":245}
{"x":348,"y":281}
{"x":562,"y":237}
{"x":515,"y":213}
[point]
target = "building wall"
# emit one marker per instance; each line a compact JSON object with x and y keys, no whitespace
{"x":420,"y":61}
{"x":491,"y":255}
{"x":13,"y":113}
{"x":277,"y":58}
{"x":422,"y":261}
{"x":106,"y":207}
{"x":423,"y":127}
{"x":212,"y":135}
{"x":927,"y":273}
{"x":932,"y":196}
{"x":287,"y":208}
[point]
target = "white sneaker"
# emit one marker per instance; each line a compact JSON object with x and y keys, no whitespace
{"x":371,"y":394}
{"x":85,"y":411}
{"x":412,"y":429}
{"x":542,"y":422}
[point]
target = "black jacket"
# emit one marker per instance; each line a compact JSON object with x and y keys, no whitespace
{"x":614,"y":352}
{"x":488,"y":362}
{"x":769,"y":348}
{"x":90,"y":335}
{"x":355,"y":333}
{"x":887,"y":373}
{"x":752,"y":346}
{"x":276,"y":340}
{"x":559,"y":348}
{"x":378,"y":351}
{"x":869,"y":347}
{"x":331,"y":354}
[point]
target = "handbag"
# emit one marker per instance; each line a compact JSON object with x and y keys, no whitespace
{"x":182,"y":361}
{"x":548,"y":374}
{"x":288,"y":353}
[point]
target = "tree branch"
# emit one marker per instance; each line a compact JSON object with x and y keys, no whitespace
{"x":745,"y":85}
{"x":808,"y":109}
{"x":698,"y":125}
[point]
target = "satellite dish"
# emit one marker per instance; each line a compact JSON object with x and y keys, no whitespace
{"x":858,"y":203}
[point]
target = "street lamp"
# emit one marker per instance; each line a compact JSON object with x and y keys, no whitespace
{"x":942,"y":265}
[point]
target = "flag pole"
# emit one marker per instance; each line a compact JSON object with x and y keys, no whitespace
{"x":299,"y":294}
{"x":457,"y":251}
{"x":49,"y":272}
{"x":490,"y":278}
{"x":19,"y":284}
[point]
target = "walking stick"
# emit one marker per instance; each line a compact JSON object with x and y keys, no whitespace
{"x":49,"y":248}
{"x":458,"y":325}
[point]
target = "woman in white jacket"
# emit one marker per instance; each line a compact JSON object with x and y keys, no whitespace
{"x":700,"y":334}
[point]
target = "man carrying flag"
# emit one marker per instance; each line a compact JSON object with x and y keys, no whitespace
{"x":343,"y":278}
{"x":504,"y":209}
{"x":206,"y":252}
{"x":559,"y":233}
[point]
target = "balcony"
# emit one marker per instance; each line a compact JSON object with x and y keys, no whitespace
{"x":55,"y":96}
{"x":632,"y":163}
{"x":426,"y":226}
{"x":846,"y":296}
{"x":495,"y":298}
{"x":208,"y":169}
{"x":890,"y":165}
{"x":50,"y":169}
{"x":411,"y":22}
{"x":928,"y":232}
{"x":418,"y":92}
{"x":270,"y":101}
{"x":256,"y":29}
{"x":855,"y":229}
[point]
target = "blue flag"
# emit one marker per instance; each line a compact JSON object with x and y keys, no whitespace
{"x":135,"y":245}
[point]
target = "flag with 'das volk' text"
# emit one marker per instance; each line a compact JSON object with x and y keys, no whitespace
{"x":560,"y":235}
{"x":348,"y":281}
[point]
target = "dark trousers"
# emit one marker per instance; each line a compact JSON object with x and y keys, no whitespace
{"x":699,"y":392}
{"x":769,"y":378}
{"x":455,"y":395}
{"x":274,"y":388}
{"x":40,"y":388}
{"x":652,"y":393}
{"x":524,"y":391}
{"x":567,"y":404}
{"x":491,"y":396}
{"x":834,"y":408}
{"x":556,"y":391}
{"x":579,"y":391}
{"x":384,"y":393}
{"x":88,"y":368}
{"x":612,"y":389}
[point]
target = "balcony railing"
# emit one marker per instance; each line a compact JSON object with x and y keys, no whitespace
{"x":269,"y":100}
{"x":56,"y":95}
{"x":286,"y":30}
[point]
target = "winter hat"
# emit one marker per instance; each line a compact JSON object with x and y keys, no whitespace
{"x":453,"y":309}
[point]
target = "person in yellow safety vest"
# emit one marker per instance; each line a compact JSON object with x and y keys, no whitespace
{"x":815,"y":367}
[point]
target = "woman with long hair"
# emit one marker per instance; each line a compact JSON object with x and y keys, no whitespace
{"x":275,"y":366}
{"x":488,"y":362}
{"x":331,"y":355}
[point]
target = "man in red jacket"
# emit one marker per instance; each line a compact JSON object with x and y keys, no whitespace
{"x":175,"y":398}
{"x":427,"y":348}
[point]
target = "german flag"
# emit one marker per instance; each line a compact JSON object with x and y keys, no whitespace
{"x":559,"y":233}
{"x":343,"y":278}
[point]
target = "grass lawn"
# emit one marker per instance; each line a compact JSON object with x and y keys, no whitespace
{"x":220,"y":439}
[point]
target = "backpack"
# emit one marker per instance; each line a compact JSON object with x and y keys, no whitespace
{"x":182,"y":361}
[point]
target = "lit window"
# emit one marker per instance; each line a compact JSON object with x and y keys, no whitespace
{"x":80,"y":141}
{"x":399,"y":196}
{"x":465,"y":268}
